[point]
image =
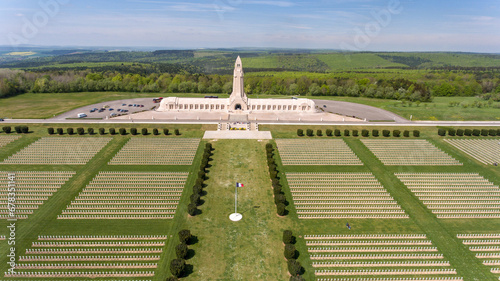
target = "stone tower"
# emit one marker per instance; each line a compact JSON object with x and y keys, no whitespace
{"x":238,"y":100}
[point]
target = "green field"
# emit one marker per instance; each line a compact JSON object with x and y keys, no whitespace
{"x":250,"y":249}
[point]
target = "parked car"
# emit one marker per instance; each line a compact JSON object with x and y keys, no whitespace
{"x":124,"y":104}
{"x":111,"y":109}
{"x":82,"y":115}
{"x":1,"y":119}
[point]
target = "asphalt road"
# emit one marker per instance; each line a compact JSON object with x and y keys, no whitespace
{"x":361,"y":111}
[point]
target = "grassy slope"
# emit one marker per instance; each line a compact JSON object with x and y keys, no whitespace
{"x":355,"y":61}
{"x":247,"y":250}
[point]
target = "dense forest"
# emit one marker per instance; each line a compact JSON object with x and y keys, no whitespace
{"x":190,"y":72}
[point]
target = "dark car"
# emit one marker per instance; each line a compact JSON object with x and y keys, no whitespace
{"x":1,"y":119}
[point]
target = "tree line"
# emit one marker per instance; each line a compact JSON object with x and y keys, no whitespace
{"x":154,"y":80}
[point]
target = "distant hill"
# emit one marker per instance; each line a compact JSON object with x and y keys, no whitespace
{"x":221,"y":61}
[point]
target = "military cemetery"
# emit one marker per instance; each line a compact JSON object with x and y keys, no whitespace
{"x":155,"y":199}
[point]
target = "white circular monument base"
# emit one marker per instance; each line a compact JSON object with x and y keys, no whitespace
{"x":235,"y":217}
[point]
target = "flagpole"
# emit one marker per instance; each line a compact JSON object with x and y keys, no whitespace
{"x":236,"y":199}
{"x":236,"y":216}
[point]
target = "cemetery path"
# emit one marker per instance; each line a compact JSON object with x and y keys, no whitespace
{"x":248,"y":249}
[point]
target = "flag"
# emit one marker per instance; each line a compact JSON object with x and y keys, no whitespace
{"x":239,"y":184}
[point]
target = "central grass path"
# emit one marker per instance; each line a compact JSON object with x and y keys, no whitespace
{"x":250,"y":249}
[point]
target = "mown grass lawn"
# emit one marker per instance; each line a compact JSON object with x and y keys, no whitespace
{"x":250,"y":249}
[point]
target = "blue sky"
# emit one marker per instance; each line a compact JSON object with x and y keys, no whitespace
{"x":364,"y":25}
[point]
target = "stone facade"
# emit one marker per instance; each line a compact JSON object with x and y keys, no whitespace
{"x":238,"y":102}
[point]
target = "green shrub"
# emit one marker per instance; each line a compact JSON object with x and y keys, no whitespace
{"x":181,"y":251}
{"x":281,"y":209}
{"x":90,"y":131}
{"x":60,"y":131}
{"x":69,"y":131}
{"x":386,"y":133}
{"x":468,"y":132}
{"x":452,"y":132}
{"x":396,"y":133}
{"x":441,"y":132}
{"x":406,"y":133}
{"x":102,"y":131}
{"x":484,"y":132}
{"x":337,"y":133}
{"x":375,"y":133}
{"x":133,"y":131}
{"x":309,"y":132}
{"x":329,"y":132}
{"x":277,"y":190}
{"x":197,"y":189}
{"x":365,"y":133}
{"x":492,"y":132}
{"x":173,"y":278}
{"x":460,"y":132}
{"x":165,"y":132}
{"x":476,"y":132}
{"x":319,"y":133}
{"x":355,"y":133}
{"x":80,"y":131}
{"x":50,"y":131}
{"x":294,"y":278}
{"x":192,"y":209}
{"x":195,"y":199}
{"x":7,"y":129}
{"x":294,"y":267}
{"x":123,"y":131}
{"x":177,"y":267}
{"x":279,"y":198}
{"x":288,"y":237}
{"x":17,"y":129}
{"x":185,"y":236}
{"x":155,"y":132}
{"x":176,"y":132}
{"x":144,"y":131}
{"x":25,"y":129}
{"x":300,"y":132}
{"x":112,"y":131}
{"x":346,"y":133}
{"x":416,"y":133}
{"x":290,"y":251}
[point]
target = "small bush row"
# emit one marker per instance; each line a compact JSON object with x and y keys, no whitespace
{"x":469,"y":132}
{"x":355,"y":133}
{"x":279,"y":196}
{"x":195,"y":198}
{"x":178,"y":265}
{"x":17,"y":129}
{"x":111,"y":131}
{"x":291,"y":255}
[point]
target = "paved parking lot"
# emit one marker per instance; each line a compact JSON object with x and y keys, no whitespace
{"x":147,"y":104}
